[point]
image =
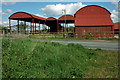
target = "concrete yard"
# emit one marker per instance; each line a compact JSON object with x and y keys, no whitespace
{"x":105,"y":45}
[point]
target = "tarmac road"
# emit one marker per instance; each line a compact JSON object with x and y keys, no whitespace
{"x":105,"y":45}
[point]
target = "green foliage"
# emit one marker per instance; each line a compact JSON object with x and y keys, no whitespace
{"x":89,"y":35}
{"x":34,"y":59}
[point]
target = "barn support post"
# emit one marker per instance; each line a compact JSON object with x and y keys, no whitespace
{"x":63,"y":27}
{"x":42,"y":26}
{"x":18,"y":26}
{"x":67,"y":27}
{"x":48,"y":29}
{"x":32,"y":25}
{"x":39,"y":27}
{"x":10,"y":26}
{"x":35,"y":27}
{"x":57,"y":26}
{"x":25,"y":26}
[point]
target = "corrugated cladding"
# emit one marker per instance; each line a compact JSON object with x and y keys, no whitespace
{"x":92,"y":16}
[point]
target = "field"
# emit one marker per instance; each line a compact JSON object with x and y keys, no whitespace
{"x":53,"y":36}
{"x":34,"y":59}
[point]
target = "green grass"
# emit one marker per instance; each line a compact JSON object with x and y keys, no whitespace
{"x":70,"y":38}
{"x":34,"y":59}
{"x":46,"y":36}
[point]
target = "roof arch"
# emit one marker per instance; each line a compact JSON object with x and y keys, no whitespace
{"x":92,"y":15}
{"x":20,"y":15}
{"x":24,"y":15}
{"x":68,"y":17}
{"x":93,"y":6}
{"x":51,"y":18}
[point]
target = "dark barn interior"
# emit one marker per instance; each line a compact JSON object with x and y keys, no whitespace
{"x":92,"y":18}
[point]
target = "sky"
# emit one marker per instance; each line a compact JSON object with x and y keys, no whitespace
{"x":52,"y":9}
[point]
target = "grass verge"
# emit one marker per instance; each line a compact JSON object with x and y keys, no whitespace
{"x":34,"y":59}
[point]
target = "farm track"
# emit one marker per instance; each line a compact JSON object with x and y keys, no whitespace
{"x":93,"y":44}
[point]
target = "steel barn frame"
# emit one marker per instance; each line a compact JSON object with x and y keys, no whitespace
{"x":92,"y":18}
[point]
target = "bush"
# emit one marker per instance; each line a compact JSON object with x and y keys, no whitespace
{"x":89,"y":35}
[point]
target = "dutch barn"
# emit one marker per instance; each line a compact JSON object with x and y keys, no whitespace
{"x":92,"y":19}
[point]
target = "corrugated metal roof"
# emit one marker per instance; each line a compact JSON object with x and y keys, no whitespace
{"x":51,"y":18}
{"x":24,"y":15}
{"x":92,"y":16}
{"x":68,"y":17}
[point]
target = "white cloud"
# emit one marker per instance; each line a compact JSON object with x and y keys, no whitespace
{"x":5,"y":22}
{"x":14,"y":0}
{"x":6,"y":12}
{"x":56,"y":10}
{"x":44,"y":16}
{"x":60,"y":0}
{"x":115,"y":3}
{"x":114,"y":16}
{"x":8,"y":3}
{"x":0,"y":11}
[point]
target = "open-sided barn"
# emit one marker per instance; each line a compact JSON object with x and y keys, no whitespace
{"x":92,"y":20}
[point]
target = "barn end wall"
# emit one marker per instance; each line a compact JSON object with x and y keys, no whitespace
{"x":104,"y":31}
{"x":93,"y":21}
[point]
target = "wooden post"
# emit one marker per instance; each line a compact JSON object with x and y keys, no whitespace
{"x":32,"y":25}
{"x":25,"y":26}
{"x":10,"y":26}
{"x":63,"y":27}
{"x":48,"y":29}
{"x":18,"y":26}
{"x":35,"y":27}
{"x":44,"y":25}
{"x":39,"y":27}
{"x":57,"y":26}
{"x":66,"y":27}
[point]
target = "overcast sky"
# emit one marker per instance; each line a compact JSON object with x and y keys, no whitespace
{"x":52,"y":9}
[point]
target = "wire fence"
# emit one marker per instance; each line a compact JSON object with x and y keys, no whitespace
{"x":105,"y":34}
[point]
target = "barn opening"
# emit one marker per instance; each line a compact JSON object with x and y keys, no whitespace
{"x":26,"y":17}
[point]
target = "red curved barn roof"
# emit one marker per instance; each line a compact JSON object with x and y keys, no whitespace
{"x":25,"y":16}
{"x":68,"y":17}
{"x":92,"y":16}
{"x":51,"y":18}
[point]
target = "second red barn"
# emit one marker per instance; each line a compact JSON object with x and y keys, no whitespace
{"x":93,"y":20}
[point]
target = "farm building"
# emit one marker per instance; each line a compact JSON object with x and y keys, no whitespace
{"x":53,"y":24}
{"x":94,"y":20}
{"x":65,"y":20}
{"x":116,"y":29}
{"x":90,"y":20}
{"x":26,"y":17}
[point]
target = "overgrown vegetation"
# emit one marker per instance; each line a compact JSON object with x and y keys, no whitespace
{"x":34,"y":59}
{"x":55,"y":36}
